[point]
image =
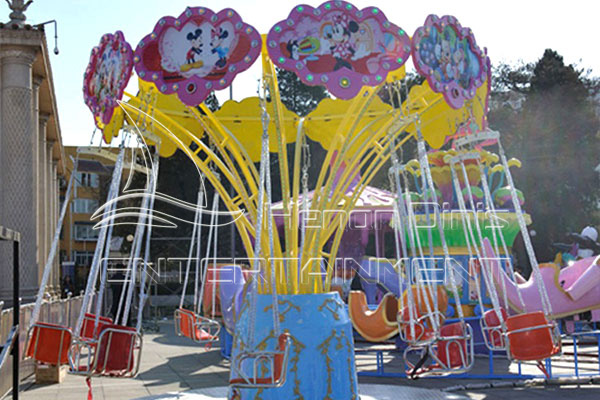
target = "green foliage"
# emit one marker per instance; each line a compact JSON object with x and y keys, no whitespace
{"x":297,"y":96}
{"x":389,"y":96}
{"x":212,"y":102}
{"x":547,"y":115}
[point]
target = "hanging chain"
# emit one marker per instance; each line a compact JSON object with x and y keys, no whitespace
{"x":424,"y":162}
{"x":269,"y":202}
{"x":306,"y":159}
{"x":546,"y":305}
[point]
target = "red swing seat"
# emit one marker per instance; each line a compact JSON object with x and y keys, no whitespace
{"x":531,"y":337}
{"x":89,"y":321}
{"x":452,"y":348}
{"x":49,"y":343}
{"x":279,"y":366}
{"x":423,"y":332}
{"x":452,"y":353}
{"x":491,"y":328}
{"x":190,"y":325}
{"x":116,"y":354}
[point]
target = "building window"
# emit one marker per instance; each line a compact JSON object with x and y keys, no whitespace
{"x":83,"y":258}
{"x":85,"y":231}
{"x":85,"y":206}
{"x":87,"y":179}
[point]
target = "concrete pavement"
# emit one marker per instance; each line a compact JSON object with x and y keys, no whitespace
{"x":173,"y":364}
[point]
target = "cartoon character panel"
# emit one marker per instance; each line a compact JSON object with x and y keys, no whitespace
{"x":196,"y":53}
{"x":448,"y":56}
{"x":339,"y":46}
{"x":107,"y":75}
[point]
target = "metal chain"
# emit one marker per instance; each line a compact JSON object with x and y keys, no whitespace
{"x":212,"y":235}
{"x":54,"y":246}
{"x":498,"y":230}
{"x":193,"y":242}
{"x":92,"y":277}
{"x":274,"y":296}
{"x":143,"y":294}
{"x":305,"y":167}
{"x":424,"y":161}
{"x":264,"y":159}
{"x":469,"y":234}
{"x":400,"y":237}
{"x":546,"y":305}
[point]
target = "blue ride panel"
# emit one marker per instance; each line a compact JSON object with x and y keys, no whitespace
{"x":321,"y":360}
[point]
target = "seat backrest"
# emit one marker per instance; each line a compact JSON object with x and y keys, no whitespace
{"x":279,"y":357}
{"x":404,"y":319}
{"x":115,"y":350}
{"x":89,"y":321}
{"x":391,"y":307}
{"x":535,"y":343}
{"x":491,"y":317}
{"x":494,"y":334}
{"x":187,"y":322}
{"x":520,"y":321}
{"x":49,"y":343}
{"x":453,"y":353}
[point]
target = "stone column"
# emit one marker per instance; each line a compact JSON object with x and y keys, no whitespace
{"x":17,"y":198}
{"x":35,"y":105}
{"x":42,"y":186}
{"x":56,"y":196}
{"x":49,"y":205}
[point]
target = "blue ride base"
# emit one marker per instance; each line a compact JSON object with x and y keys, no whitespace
{"x":321,"y":360}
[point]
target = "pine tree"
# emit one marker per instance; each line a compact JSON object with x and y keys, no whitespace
{"x":551,"y":125}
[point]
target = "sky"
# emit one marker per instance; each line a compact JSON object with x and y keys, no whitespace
{"x":511,"y":30}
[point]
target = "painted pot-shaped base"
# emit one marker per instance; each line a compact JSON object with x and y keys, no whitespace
{"x":321,"y":358}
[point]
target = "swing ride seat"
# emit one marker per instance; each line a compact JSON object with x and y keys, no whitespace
{"x":491,"y":327}
{"x":196,"y":327}
{"x":275,"y":361}
{"x":377,"y":325}
{"x":87,"y":328}
{"x":452,"y":353}
{"x":531,"y":337}
{"x":116,"y":353}
{"x":423,"y":333}
{"x":48,"y":343}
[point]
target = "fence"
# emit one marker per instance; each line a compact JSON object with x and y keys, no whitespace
{"x":62,"y":312}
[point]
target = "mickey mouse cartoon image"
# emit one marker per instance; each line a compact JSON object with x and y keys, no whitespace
{"x":339,"y":37}
{"x":196,"y":49}
{"x":216,"y":40}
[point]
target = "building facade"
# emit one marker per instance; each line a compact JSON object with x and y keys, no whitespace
{"x":31,"y":153}
{"x":78,"y":237}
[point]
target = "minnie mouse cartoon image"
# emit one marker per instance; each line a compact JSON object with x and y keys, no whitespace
{"x":292,"y":47}
{"x":339,"y":38}
{"x":216,"y":40}
{"x":195,"y":50}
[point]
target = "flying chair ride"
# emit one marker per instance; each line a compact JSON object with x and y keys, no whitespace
{"x":292,"y":335}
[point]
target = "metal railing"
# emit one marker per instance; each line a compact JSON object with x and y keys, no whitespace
{"x":56,"y":311}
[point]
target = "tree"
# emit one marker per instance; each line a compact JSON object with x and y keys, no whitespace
{"x":546,"y":114}
{"x":297,"y":96}
{"x":177,"y":177}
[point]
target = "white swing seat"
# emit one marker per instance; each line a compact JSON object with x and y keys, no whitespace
{"x":116,"y":353}
{"x":196,"y":327}
{"x":275,"y":362}
{"x":451,"y":353}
